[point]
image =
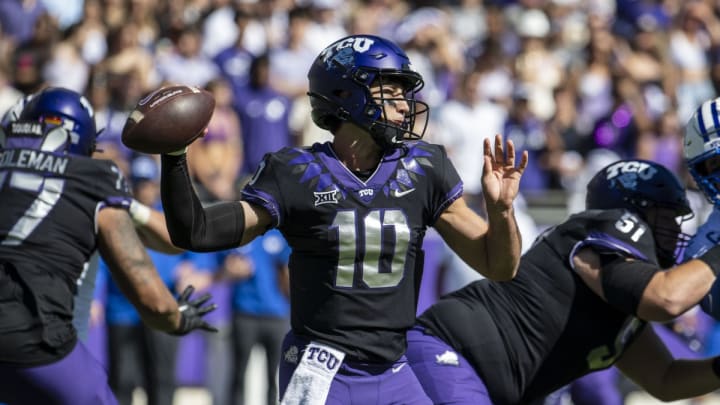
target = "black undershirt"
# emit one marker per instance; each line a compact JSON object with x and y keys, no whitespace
{"x":363,"y":174}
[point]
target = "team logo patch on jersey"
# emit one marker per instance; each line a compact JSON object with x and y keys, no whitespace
{"x":448,"y":358}
{"x":291,"y":355}
{"x":326,"y":197}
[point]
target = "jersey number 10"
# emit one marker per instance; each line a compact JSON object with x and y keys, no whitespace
{"x":380,"y":261}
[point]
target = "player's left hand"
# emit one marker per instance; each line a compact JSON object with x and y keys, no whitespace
{"x":192,"y":311}
{"x":501,"y":179}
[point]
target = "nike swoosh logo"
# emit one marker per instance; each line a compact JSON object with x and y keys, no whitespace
{"x":398,"y":194}
{"x":398,"y":368}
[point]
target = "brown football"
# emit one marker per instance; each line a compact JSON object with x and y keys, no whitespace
{"x":168,"y":119}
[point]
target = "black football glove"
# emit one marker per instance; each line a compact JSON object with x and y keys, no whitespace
{"x":191,"y":312}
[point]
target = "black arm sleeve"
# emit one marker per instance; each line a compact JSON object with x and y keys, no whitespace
{"x":625,"y":281}
{"x":191,"y":226}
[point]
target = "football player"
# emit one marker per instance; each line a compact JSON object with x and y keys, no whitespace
{"x":59,"y":207}
{"x":702,"y":156}
{"x":354,"y":212}
{"x":149,"y":224}
{"x":581,"y":301}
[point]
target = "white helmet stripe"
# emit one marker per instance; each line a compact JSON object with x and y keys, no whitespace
{"x":706,"y":119}
{"x":54,"y":139}
{"x":716,"y":121}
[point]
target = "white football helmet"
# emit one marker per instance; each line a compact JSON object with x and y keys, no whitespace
{"x":702,"y":142}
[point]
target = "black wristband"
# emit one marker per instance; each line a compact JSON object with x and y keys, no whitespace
{"x":712,"y":259}
{"x":716,"y":366}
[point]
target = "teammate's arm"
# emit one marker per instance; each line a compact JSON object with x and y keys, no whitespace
{"x":674,"y":291}
{"x":492,"y":248}
{"x":648,"y":363}
{"x":135,"y":274}
{"x":151,"y":228}
{"x":194,"y":227}
{"x":644,"y":289}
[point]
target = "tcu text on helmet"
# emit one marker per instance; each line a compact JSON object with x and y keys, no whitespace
{"x":642,"y":169}
{"x":359,"y":44}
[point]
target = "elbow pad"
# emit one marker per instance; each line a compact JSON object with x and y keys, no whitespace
{"x":624,"y":281}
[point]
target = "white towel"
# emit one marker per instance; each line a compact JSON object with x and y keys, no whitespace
{"x":310,"y":383}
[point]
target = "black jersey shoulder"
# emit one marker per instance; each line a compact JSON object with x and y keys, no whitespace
{"x":291,"y":173}
{"x":607,"y":231}
{"x":108,"y":181}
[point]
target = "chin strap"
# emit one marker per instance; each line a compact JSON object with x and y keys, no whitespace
{"x":386,"y":136}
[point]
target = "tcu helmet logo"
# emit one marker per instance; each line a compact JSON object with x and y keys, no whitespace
{"x":627,"y":173}
{"x":639,"y":169}
{"x":358,"y":44}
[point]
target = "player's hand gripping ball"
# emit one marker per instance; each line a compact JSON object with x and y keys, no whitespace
{"x":168,"y":119}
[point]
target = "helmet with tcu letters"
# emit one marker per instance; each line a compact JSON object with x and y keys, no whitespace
{"x":56,"y":120}
{"x":650,"y":190}
{"x":340,"y":80}
{"x":702,"y":143}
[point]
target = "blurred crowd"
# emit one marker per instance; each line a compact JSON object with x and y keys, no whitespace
{"x":577,"y":83}
{"x":561,"y":78}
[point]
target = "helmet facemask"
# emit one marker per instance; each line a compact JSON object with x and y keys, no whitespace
{"x":381,"y":96}
{"x":701,"y":146}
{"x":666,"y":224}
{"x":707,"y":178}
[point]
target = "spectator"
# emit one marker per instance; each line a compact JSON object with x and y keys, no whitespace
{"x":234,"y":62}
{"x":533,"y":28}
{"x":204,"y":270}
{"x":527,"y":131}
{"x":463,"y":124}
{"x":139,"y":356}
{"x":261,"y":307}
{"x":66,"y":66}
{"x":185,"y":63}
{"x":18,"y":18}
{"x":696,"y":31}
{"x":127,"y":58}
{"x":264,"y":115}
{"x":326,"y":24}
{"x":215,"y":160}
{"x":92,"y":32}
{"x":219,"y":30}
{"x":289,"y":62}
